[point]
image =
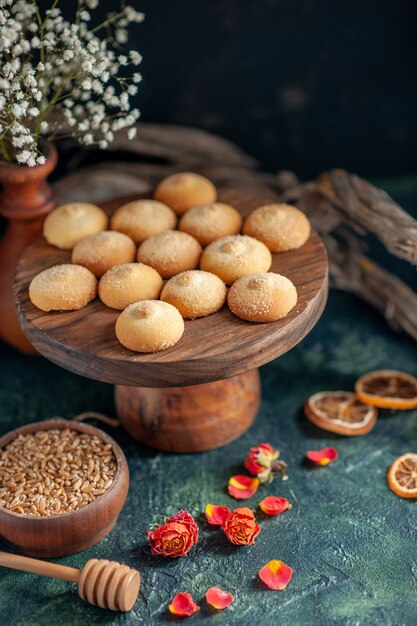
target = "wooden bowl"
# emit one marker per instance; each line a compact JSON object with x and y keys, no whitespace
{"x":70,"y":532}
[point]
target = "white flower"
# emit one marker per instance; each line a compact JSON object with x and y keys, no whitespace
{"x":17,"y":110}
{"x":40,"y":160}
{"x":135,"y":57}
{"x":88,"y":139}
{"x":132,"y":132}
{"x":23,"y":157}
{"x":93,"y":46}
{"x":79,"y":84}
{"x":121,"y":35}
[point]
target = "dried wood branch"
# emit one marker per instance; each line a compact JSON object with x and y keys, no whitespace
{"x":351,"y":270}
{"x":338,"y":200}
{"x":364,"y":206}
{"x":341,"y":206}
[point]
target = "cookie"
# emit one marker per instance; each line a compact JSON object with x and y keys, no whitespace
{"x":127,"y":283}
{"x":264,"y":297}
{"x":195,"y":293}
{"x":100,"y":252}
{"x":69,"y":223}
{"x":211,"y":221}
{"x":232,"y":257}
{"x":185,"y":190}
{"x":141,"y":219}
{"x":63,"y":288}
{"x":281,"y":227}
{"x":170,"y":253}
{"x":149,"y":326}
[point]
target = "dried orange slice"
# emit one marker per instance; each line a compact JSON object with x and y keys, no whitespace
{"x":340,"y":412}
{"x":402,"y":475}
{"x":387,"y":389}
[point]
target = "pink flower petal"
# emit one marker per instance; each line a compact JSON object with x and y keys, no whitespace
{"x":216,"y":514}
{"x":219,"y":598}
{"x":242,"y":487}
{"x":322,"y":457}
{"x":273,"y":505}
{"x":276,"y":575}
{"x":183,"y":605}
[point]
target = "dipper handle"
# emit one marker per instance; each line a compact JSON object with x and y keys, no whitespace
{"x":107,"y":584}
{"x":43,"y":568}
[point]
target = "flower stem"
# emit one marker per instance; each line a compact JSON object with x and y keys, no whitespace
{"x":5,"y":152}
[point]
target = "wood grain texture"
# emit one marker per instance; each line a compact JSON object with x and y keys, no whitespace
{"x":73,"y":532}
{"x":212,"y":348}
{"x":193,"y":418}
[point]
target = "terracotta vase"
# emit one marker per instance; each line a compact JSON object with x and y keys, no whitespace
{"x":25,"y":199}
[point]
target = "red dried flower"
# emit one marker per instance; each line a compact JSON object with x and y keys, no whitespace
{"x":183,"y":605}
{"x":174,"y":538}
{"x":240,"y":527}
{"x":262,"y":461}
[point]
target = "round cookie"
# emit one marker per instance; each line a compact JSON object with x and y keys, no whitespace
{"x":127,"y":283}
{"x":184,"y":190}
{"x":281,"y":227}
{"x":69,"y":223}
{"x":63,"y":288}
{"x":149,"y":326}
{"x":195,"y":293}
{"x":170,"y":253}
{"x":101,"y":251}
{"x":235,"y":256}
{"x":264,"y":297}
{"x":141,"y":219}
{"x":211,"y":221}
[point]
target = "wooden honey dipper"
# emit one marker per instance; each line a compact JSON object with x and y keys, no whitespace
{"x":107,"y":584}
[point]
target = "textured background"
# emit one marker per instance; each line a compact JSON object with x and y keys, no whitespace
{"x":300,"y":84}
{"x":350,"y":541}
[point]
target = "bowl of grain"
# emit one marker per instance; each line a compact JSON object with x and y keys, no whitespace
{"x":62,"y":487}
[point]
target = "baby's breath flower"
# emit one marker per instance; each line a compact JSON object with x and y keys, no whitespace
{"x":135,"y":57}
{"x":50,"y":65}
{"x":121,"y":35}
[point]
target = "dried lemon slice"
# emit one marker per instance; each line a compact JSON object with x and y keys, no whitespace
{"x":340,"y":412}
{"x":387,"y":389}
{"x":402,"y":476}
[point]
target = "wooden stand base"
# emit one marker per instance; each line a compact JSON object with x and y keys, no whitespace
{"x":190,"y":419}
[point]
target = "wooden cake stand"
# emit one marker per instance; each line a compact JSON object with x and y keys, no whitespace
{"x":203,"y":392}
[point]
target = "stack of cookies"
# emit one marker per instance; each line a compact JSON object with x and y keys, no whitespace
{"x":168,"y":258}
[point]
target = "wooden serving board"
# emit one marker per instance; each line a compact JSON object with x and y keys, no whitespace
{"x":212,"y":348}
